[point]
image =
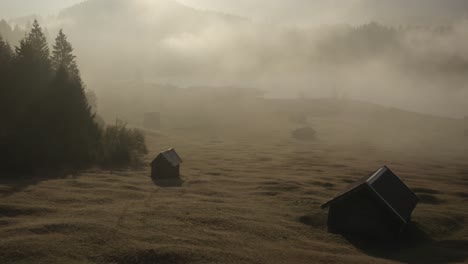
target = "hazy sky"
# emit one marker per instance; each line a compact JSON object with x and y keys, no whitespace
{"x":341,"y":11}
{"x":17,"y":8}
{"x":290,"y":11}
{"x":287,"y":11}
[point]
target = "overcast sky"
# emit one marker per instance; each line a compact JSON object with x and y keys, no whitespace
{"x":18,"y":8}
{"x":340,"y":11}
{"x":290,"y":11}
{"x":287,"y":11}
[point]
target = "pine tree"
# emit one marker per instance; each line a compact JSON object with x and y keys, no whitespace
{"x":35,"y":45}
{"x":32,"y":67}
{"x":31,"y":73}
{"x":62,"y":56}
{"x":73,"y":137}
{"x":33,"y":61}
{"x":76,"y":138}
{"x":6,"y":57}
{"x":6,"y":53}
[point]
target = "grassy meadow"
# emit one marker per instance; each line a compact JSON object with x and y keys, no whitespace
{"x":250,"y":193}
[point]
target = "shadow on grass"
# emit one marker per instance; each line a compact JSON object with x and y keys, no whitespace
{"x":415,"y":246}
{"x":168,"y":182}
{"x":11,"y":183}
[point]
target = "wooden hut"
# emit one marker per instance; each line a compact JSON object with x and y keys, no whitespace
{"x":379,"y":206}
{"x":304,"y":133}
{"x":166,"y":165}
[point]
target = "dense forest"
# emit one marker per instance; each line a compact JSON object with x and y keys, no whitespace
{"x":46,"y":118}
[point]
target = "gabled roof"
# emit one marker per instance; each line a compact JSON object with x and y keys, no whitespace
{"x":388,"y":188}
{"x":171,"y":156}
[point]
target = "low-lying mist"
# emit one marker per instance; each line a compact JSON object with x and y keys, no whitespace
{"x":419,"y":68}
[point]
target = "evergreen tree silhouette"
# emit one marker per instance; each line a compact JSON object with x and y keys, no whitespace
{"x":35,"y":47}
{"x":62,"y":56}
{"x":31,"y":73}
{"x":6,"y":54}
{"x":6,"y":105}
{"x":32,"y":67}
{"x":68,"y":115}
{"x":73,"y":136}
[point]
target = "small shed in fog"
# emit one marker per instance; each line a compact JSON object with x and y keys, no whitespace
{"x":166,"y":165}
{"x":379,"y":205}
{"x":152,"y":120}
{"x":304,"y":133}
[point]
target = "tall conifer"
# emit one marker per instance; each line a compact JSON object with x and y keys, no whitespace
{"x":62,"y":56}
{"x":34,"y":46}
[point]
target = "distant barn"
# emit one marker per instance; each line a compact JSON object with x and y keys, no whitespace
{"x":304,"y":133}
{"x":152,"y":120}
{"x":379,"y":206}
{"x":166,"y":165}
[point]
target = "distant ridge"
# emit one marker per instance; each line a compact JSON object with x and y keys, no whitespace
{"x":104,"y":8}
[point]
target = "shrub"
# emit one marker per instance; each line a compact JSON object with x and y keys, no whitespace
{"x":122,"y":146}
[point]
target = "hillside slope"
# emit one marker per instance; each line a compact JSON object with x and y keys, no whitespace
{"x":245,"y":198}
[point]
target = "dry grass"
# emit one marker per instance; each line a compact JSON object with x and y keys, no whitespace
{"x":250,"y":194}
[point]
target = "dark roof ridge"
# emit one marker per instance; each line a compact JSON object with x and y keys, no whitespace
{"x":367,"y":182}
{"x":171,"y":156}
{"x":350,"y":188}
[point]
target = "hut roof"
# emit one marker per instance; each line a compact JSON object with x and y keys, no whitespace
{"x":388,"y":188}
{"x":171,"y":156}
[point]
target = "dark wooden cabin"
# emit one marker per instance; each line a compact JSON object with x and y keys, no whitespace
{"x":378,"y":206}
{"x":166,"y":165}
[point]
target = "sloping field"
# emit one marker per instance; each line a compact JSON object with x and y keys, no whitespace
{"x":245,"y":198}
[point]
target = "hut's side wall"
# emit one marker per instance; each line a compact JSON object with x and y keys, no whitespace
{"x":162,"y":169}
{"x":361,"y":213}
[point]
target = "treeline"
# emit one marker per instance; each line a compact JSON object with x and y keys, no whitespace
{"x":12,"y":34}
{"x":410,"y":47}
{"x":46,"y":120}
{"x":359,"y":43}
